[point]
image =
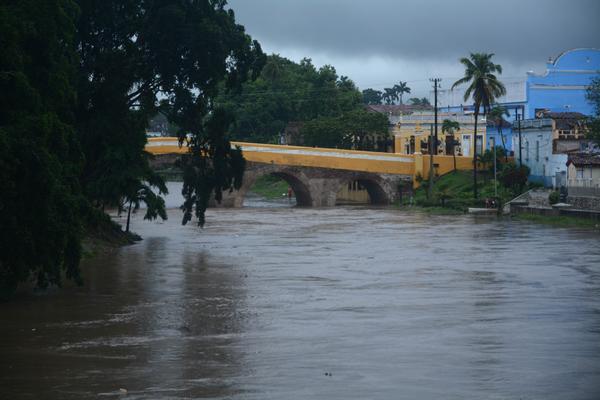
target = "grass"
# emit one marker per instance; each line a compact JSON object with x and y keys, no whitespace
{"x":454,"y":191}
{"x":560,"y":221}
{"x":270,"y":187}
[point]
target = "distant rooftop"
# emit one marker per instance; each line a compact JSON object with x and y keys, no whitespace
{"x":397,"y":109}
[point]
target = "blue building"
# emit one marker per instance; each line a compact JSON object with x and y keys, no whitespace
{"x":499,"y":135}
{"x":561,"y":88}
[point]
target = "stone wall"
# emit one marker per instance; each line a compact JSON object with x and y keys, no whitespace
{"x":584,"y":202}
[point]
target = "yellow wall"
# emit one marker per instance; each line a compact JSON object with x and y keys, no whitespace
{"x":401,"y":164}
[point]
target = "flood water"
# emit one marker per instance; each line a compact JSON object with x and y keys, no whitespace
{"x":339,"y":303}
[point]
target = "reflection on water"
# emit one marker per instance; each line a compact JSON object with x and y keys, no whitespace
{"x":289,"y":303}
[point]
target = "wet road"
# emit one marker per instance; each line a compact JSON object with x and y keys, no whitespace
{"x":343,"y":303}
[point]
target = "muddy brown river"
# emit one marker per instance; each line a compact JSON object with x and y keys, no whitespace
{"x":340,"y":303}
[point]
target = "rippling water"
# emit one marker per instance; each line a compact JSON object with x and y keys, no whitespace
{"x":342,"y":303}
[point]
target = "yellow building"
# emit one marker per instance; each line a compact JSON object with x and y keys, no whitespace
{"x":411,"y":133}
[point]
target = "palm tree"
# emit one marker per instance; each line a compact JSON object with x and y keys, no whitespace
{"x":496,"y":115}
{"x":389,"y":95}
{"x":484,"y":87}
{"x":139,"y":193}
{"x":400,"y":89}
{"x":449,"y":127}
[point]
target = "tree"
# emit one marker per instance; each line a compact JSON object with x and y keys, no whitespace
{"x":133,"y":54}
{"x":389,"y":95}
{"x":496,"y":115}
{"x":593,"y":96}
{"x":142,"y":193}
{"x":357,"y":129}
{"x":514,"y":177}
{"x":400,"y":89}
{"x":371,"y":96}
{"x":449,"y":127}
{"x":484,"y":87}
{"x":415,"y":101}
{"x":264,"y":107}
{"x":40,"y":160}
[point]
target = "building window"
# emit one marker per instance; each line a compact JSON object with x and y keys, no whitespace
{"x":579,"y":173}
{"x":527,"y":150}
{"x":537,"y":150}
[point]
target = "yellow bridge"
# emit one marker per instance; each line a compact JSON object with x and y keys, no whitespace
{"x":350,"y":160}
{"x":316,"y":174}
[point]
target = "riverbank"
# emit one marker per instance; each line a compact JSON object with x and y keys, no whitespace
{"x":102,"y":235}
{"x":563,"y":221}
{"x":454,"y":192}
{"x":270,"y":187}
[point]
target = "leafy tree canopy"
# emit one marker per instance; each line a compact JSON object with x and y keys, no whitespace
{"x":357,"y":129}
{"x":593,"y":96}
{"x":79,"y":81}
{"x":287,"y":91}
{"x":40,"y":202}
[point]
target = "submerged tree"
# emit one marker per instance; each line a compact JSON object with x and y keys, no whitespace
{"x":484,"y":87}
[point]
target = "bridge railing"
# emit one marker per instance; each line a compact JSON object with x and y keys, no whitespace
{"x":364,"y":161}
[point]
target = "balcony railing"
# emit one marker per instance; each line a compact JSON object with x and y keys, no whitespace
{"x":533,"y":123}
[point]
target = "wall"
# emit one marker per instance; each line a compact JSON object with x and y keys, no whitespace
{"x":493,"y":133}
{"x":546,"y":165}
{"x":562,"y":87}
{"x":418,"y":125}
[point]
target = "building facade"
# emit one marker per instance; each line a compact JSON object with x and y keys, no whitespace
{"x":546,"y":142}
{"x":560,"y":88}
{"x":412,"y":132}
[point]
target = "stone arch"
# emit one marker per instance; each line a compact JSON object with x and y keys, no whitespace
{"x":295,"y":179}
{"x":378,"y":195}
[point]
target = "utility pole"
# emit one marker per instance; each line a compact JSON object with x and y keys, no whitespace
{"x":433,"y":137}
{"x":519,"y":130}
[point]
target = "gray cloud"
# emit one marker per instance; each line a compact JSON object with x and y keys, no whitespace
{"x":432,"y":29}
{"x":420,"y":34}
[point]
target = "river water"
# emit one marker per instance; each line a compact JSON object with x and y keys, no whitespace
{"x":339,"y":303}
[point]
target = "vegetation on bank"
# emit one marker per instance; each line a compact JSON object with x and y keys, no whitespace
{"x":560,"y":221}
{"x":79,"y":81}
{"x":270,"y":187}
{"x":454,"y":191}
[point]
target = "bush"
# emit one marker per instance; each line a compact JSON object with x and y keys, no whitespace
{"x":554,"y":197}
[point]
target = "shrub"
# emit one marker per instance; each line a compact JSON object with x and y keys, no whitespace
{"x":554,"y":197}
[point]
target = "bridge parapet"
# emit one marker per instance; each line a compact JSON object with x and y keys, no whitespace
{"x":405,"y":166}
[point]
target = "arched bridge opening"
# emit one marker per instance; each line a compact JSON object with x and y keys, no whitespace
{"x":293,"y":191}
{"x":362,"y":191}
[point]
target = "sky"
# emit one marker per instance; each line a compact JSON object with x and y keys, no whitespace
{"x":380,"y":42}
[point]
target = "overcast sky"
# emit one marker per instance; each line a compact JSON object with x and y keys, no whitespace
{"x":380,"y":42}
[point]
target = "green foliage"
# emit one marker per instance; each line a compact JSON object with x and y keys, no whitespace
{"x":400,"y":89}
{"x":450,"y":127}
{"x":371,"y":96}
{"x":357,"y":129}
{"x":484,"y":87}
{"x":132,"y":54}
{"x":270,"y":187}
{"x":593,"y":96}
{"x":79,"y":82}
{"x":453,"y":191}
{"x":40,"y":202}
{"x":554,"y":197}
{"x":287,"y":91}
{"x":514,"y":177}
{"x":415,"y":101}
